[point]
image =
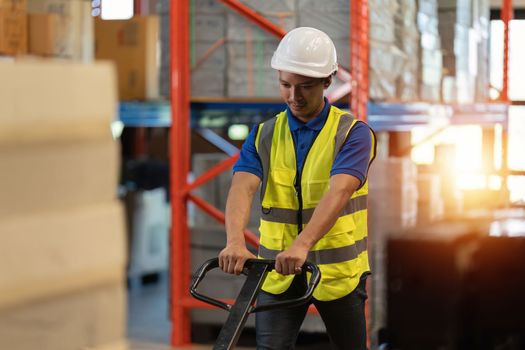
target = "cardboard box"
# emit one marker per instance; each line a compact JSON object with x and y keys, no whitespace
{"x":118,"y":345}
{"x":57,"y":176}
{"x":57,"y":252}
{"x":93,"y":318}
{"x":56,"y":101}
{"x":13,"y":32}
{"x":20,"y":5}
{"x":77,"y":36}
{"x":133,"y":46}
{"x":49,"y":35}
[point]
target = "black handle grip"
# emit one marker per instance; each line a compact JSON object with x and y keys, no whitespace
{"x":314,"y":281}
{"x":214,"y":263}
{"x":207,"y":266}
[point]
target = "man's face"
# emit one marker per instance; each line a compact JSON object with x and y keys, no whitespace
{"x":303,"y":95}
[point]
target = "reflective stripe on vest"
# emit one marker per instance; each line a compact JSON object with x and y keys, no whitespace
{"x":341,"y":253}
{"x":289,"y":216}
{"x":324,"y":256}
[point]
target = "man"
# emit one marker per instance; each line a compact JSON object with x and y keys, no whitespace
{"x":311,"y":162}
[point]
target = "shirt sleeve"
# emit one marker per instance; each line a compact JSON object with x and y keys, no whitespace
{"x":356,"y":153}
{"x":249,"y":160}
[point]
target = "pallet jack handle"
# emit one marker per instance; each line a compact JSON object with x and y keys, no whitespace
{"x":256,"y":271}
{"x":263,"y":266}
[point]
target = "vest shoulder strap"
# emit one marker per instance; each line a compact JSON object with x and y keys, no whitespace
{"x":263,"y":144}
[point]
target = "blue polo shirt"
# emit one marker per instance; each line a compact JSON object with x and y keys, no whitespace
{"x":353,"y":159}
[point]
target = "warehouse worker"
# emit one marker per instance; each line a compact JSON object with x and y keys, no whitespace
{"x":311,"y":163}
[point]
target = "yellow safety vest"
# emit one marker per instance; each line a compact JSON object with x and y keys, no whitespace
{"x":288,"y":204}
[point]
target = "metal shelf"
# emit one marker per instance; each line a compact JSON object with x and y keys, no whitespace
{"x":145,"y":114}
{"x":381,"y":116}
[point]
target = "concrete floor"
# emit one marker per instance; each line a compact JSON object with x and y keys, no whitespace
{"x":137,"y":345}
{"x":149,"y":327}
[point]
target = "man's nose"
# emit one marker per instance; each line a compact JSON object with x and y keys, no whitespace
{"x":295,"y":94}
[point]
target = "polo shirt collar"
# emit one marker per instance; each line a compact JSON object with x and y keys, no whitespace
{"x":315,"y":124}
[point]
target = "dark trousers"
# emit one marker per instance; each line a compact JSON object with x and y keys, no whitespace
{"x":344,"y":319}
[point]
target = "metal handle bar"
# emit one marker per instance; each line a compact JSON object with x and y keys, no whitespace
{"x":214,"y":263}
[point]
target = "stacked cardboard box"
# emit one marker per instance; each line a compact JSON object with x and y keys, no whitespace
{"x":13,"y":27}
{"x":208,"y":50}
{"x":407,"y":38}
{"x":392,"y":209}
{"x":331,"y":17}
{"x":464,"y":29}
{"x":62,"y":251}
{"x":387,"y":60}
{"x":481,"y":25}
{"x":133,"y":46}
{"x":430,"y":56}
{"x":250,"y":49}
{"x":61,"y":28}
{"x":162,"y":9}
{"x":430,"y":205}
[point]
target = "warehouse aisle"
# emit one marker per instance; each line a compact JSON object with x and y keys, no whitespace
{"x":149,"y":327}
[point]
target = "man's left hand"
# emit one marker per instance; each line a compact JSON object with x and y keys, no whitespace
{"x":290,"y":261}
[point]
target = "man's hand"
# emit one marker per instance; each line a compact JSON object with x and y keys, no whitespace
{"x":233,"y":257}
{"x":291,"y":260}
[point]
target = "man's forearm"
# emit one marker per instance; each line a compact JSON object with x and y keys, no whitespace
{"x":237,"y":215}
{"x":238,"y":205}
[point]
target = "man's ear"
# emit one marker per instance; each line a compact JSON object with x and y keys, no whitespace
{"x":327,"y":82}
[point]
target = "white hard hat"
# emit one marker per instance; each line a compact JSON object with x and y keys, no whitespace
{"x":306,"y":51}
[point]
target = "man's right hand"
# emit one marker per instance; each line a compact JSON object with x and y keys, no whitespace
{"x":233,"y":257}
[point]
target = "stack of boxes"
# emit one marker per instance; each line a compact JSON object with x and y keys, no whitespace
{"x":407,"y":38}
{"x":481,"y":25}
{"x":208,"y":52}
{"x":464,"y":30}
{"x":430,"y":55}
{"x":61,"y":28}
{"x":250,"y":49}
{"x":386,"y":59}
{"x":392,"y":208}
{"x":430,"y":205}
{"x":13,"y":27}
{"x":459,"y":50}
{"x":62,"y":251}
{"x":133,"y":45}
{"x":333,"y":18}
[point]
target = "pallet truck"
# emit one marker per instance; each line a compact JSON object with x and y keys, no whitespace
{"x":256,"y":271}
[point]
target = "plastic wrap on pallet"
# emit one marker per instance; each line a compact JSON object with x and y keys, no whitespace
{"x":206,"y":59}
{"x":392,"y":208}
{"x":323,"y":6}
{"x":334,"y":22}
{"x":429,"y":7}
{"x":430,"y":203}
{"x":208,"y":27}
{"x":249,"y":72}
{"x":386,"y":64}
{"x":408,"y":81}
{"x":462,"y":10}
{"x":208,"y":82}
{"x":164,"y":76}
{"x":239,"y":28}
{"x":427,"y":23}
{"x":406,"y":14}
{"x":382,"y":20}
{"x":481,"y":23}
{"x":264,"y":85}
{"x":407,"y":40}
{"x":342,"y":47}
